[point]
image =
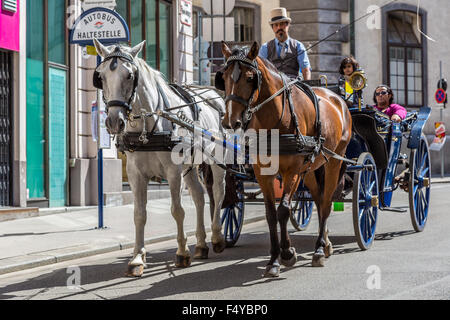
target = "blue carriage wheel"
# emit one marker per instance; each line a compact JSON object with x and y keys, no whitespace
{"x":419,"y":185}
{"x":232,"y":217}
{"x":365,"y":201}
{"x":301,"y":211}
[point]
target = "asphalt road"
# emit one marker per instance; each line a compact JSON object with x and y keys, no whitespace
{"x":401,"y":264}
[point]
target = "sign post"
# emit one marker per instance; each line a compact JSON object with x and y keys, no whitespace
{"x":441,"y":98}
{"x":108,"y":27}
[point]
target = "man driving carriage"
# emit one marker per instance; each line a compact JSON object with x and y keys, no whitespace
{"x":288,"y":55}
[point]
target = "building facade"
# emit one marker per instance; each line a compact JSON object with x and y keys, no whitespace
{"x":12,"y":104}
{"x":47,"y":154}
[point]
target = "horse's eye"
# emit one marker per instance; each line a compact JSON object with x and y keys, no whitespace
{"x":130,"y":76}
{"x":250,"y":79}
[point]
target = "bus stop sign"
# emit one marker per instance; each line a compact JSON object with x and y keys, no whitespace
{"x":103,"y":24}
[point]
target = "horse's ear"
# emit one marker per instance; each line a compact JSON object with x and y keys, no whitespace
{"x":102,"y":50}
{"x":226,"y":50}
{"x":254,"y":51}
{"x":135,"y":50}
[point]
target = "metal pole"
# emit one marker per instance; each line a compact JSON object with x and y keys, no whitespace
{"x":212,"y":36}
{"x":99,"y":164}
{"x":224,"y":23}
{"x":199,"y":37}
{"x":442,"y":119}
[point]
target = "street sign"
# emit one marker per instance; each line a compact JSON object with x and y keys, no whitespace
{"x":442,"y":84}
{"x":89,"y":4}
{"x":440,"y":137}
{"x":108,"y":27}
{"x":105,"y":25}
{"x":440,"y":96}
{"x":186,"y":12}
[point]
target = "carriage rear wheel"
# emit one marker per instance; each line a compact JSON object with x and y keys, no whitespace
{"x":365,"y":201}
{"x":232,"y":217}
{"x":301,"y":211}
{"x":419,"y":184}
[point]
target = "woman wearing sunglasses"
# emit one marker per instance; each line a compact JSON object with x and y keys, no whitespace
{"x":384,"y":98}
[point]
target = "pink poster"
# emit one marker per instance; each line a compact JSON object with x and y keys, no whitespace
{"x":10,"y":28}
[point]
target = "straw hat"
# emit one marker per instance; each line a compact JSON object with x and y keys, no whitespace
{"x":279,"y":15}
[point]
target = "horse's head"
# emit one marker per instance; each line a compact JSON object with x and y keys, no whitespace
{"x":118,"y":77}
{"x":241,"y":81}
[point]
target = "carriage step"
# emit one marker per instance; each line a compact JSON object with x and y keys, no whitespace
{"x":393,"y":209}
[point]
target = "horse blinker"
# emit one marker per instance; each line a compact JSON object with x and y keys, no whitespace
{"x":219,"y":82}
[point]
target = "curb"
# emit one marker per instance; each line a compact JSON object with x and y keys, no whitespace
{"x":45,"y":258}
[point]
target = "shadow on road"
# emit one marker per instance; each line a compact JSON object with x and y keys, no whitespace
{"x":247,"y":259}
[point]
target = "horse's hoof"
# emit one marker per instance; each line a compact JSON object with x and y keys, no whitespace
{"x":318,"y":260}
{"x":183,"y":262}
{"x":219,"y":247}
{"x":328,"y":250}
{"x":201,"y":253}
{"x":289,"y":257}
{"x":135,"y":271}
{"x":272,"y":271}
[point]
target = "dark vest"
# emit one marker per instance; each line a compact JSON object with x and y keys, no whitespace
{"x":290,"y":68}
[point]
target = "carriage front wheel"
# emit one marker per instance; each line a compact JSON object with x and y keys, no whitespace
{"x":419,"y":184}
{"x":365,"y":201}
{"x":232,"y":217}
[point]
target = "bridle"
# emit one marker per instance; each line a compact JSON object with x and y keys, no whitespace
{"x":250,"y":110}
{"x":97,"y":81}
{"x":239,"y":61}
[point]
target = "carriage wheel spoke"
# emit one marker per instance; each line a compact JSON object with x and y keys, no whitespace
{"x":230,"y":225}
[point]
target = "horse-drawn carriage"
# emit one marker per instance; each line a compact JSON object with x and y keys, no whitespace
{"x":312,"y":158}
{"x":370,"y":179}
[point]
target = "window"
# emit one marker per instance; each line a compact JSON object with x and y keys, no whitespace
{"x":405,"y":58}
{"x":47,"y":102}
{"x":247,"y":28}
{"x":150,"y":20}
{"x":244,"y":24}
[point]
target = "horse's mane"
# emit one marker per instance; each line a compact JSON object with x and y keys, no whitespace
{"x":156,"y":77}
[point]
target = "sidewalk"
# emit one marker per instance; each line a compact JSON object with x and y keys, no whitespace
{"x":44,"y":240}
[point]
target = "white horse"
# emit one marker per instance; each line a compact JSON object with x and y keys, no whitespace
{"x":129,"y":87}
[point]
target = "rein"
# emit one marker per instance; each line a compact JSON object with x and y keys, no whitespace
{"x":286,"y":89}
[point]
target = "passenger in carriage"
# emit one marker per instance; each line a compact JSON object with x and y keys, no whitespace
{"x":383,"y":97}
{"x":288,"y":55}
{"x":348,"y":67}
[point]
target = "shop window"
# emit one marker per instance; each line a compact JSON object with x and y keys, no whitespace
{"x":150,"y":20}
{"x":47,"y":102}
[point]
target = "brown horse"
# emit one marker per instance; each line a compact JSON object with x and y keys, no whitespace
{"x":251,"y":81}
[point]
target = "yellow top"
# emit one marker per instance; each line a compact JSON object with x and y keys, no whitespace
{"x":348,"y":89}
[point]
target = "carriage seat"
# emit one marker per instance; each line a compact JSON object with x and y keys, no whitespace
{"x":364,"y":124}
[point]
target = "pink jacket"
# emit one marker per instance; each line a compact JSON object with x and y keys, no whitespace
{"x":394,"y":109}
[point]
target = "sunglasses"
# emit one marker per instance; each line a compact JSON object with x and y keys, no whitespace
{"x":381,"y":93}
